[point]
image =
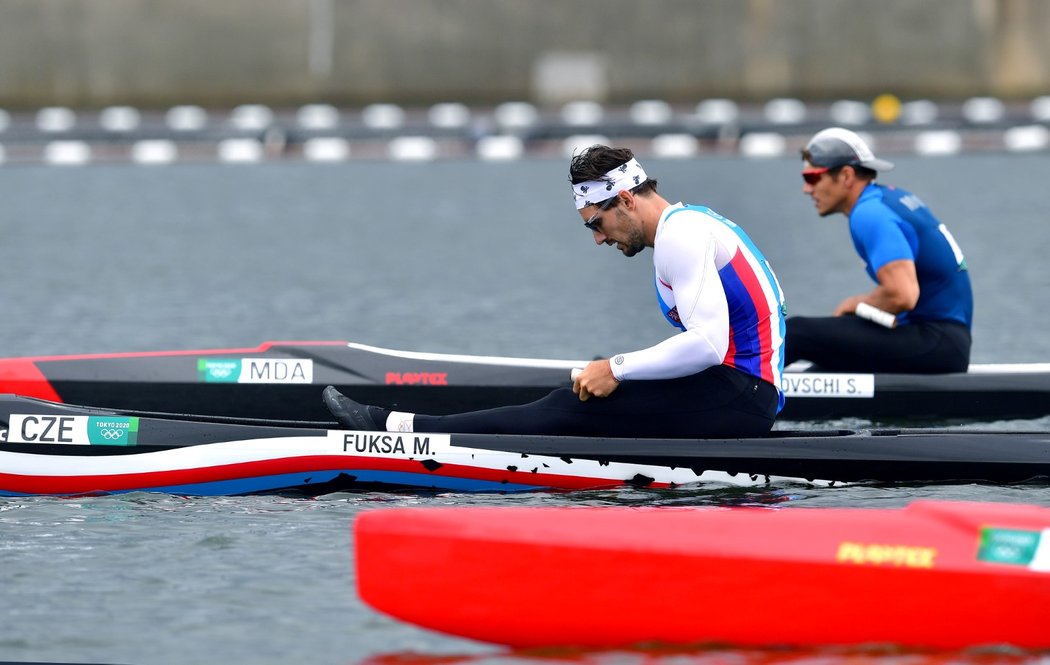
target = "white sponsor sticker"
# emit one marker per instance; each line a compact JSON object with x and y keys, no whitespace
{"x":814,"y":384}
{"x":403,"y":445}
{"x":1041,"y":559}
{"x":256,"y":370}
{"x":74,"y":430}
{"x":269,"y":370}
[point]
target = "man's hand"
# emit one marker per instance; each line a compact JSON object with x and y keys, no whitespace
{"x":596,"y":380}
{"x":898,"y":290}
{"x":848,"y":306}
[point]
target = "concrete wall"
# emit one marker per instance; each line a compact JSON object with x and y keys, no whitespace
{"x":219,"y":52}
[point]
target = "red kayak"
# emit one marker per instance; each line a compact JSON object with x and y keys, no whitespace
{"x":933,"y":575}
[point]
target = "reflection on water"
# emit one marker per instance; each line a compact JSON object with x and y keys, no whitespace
{"x":724,"y":655}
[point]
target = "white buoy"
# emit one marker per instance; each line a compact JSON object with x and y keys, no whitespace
{"x":651,"y":112}
{"x":186,"y":118}
{"x":383,"y":116}
{"x":240,"y":150}
{"x":717,"y":111}
{"x":54,"y":119}
{"x":317,"y":116}
{"x":983,"y":110}
{"x":412,"y":149}
{"x":516,"y":115}
{"x":582,"y":113}
{"x":676,"y":146}
{"x":500,"y":148}
{"x":448,"y":115}
{"x":918,"y":112}
{"x":1026,"y":139}
{"x":785,"y":111}
{"x":251,"y":117}
{"x":944,"y":142}
{"x":327,"y":149}
{"x":1040,"y":108}
{"x":67,"y":153}
{"x":849,"y":112}
{"x":762,"y":145}
{"x":119,"y":118}
{"x":154,"y":151}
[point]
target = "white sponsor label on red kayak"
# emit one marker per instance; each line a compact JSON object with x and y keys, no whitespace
{"x":73,"y":430}
{"x":255,"y":370}
{"x":1041,"y":560}
{"x":1020,"y":547}
{"x":816,"y":384}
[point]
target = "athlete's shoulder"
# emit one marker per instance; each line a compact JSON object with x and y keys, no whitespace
{"x":681,"y":219}
{"x":895,"y":196}
{"x":694,"y":219}
{"x":873,"y":207}
{"x":709,"y":213}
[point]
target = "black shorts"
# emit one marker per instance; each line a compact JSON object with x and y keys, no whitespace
{"x":852,"y":344}
{"x":720,"y":402}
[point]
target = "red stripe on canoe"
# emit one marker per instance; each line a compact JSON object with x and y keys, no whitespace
{"x":21,"y":376}
{"x":305,"y":464}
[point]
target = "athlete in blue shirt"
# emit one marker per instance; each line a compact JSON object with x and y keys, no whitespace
{"x":921,"y":273}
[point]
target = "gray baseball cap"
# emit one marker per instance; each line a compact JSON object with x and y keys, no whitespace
{"x":835,"y":147}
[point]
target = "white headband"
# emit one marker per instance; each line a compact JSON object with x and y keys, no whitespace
{"x":626,"y":176}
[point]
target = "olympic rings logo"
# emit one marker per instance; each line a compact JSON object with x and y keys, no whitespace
{"x":220,"y":372}
{"x":111,"y":434}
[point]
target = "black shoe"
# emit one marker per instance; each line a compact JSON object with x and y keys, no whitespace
{"x":349,"y":413}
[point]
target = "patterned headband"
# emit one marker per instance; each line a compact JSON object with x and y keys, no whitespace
{"x":626,"y":176}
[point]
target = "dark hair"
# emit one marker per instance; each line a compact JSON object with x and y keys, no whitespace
{"x":864,"y":173}
{"x":594,"y":162}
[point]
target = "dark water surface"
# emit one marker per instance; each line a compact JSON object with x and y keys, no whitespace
{"x":454,"y":257}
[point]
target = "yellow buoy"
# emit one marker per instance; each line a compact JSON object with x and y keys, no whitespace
{"x":886,"y":108}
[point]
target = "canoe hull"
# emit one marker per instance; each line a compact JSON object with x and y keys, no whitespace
{"x":56,"y":449}
{"x":613,"y":577}
{"x":51,"y":448}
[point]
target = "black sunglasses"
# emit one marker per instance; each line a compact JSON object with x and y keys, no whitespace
{"x":594,"y":222}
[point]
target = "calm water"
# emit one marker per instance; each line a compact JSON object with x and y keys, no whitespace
{"x":453,"y":257}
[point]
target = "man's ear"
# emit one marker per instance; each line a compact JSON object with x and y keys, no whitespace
{"x":849,"y":175}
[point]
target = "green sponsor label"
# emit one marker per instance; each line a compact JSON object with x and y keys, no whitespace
{"x":1012,"y":546}
{"x":218,"y":370}
{"x":104,"y":431}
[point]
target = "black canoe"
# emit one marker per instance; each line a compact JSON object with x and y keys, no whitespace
{"x":50,"y":448}
{"x":283,"y":380}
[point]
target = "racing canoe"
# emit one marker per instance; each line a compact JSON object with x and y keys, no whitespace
{"x":281,"y":380}
{"x":934,"y":575}
{"x":55,"y":449}
{"x":58,"y":449}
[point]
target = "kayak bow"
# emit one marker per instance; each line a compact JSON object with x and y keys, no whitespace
{"x":934,"y":575}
